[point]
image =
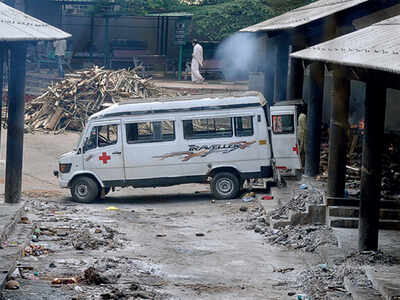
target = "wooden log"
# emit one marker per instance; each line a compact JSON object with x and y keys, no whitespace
{"x":55,"y":118}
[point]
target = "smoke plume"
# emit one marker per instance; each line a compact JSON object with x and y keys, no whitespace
{"x":239,"y":54}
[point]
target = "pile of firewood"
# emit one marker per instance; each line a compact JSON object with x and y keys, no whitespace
{"x":67,"y":104}
{"x":390,"y":161}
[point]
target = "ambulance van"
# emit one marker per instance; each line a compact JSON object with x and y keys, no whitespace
{"x":219,"y":139}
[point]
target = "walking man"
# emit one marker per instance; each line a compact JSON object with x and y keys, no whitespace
{"x":197,"y":62}
{"x":60,"y":46}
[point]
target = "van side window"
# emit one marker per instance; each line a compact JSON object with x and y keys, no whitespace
{"x":283,"y":124}
{"x":207,"y":128}
{"x":102,"y":136}
{"x":244,"y":126}
{"x":147,"y":132}
{"x":107,"y":135}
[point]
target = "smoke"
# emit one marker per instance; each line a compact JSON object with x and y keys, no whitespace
{"x":239,"y":54}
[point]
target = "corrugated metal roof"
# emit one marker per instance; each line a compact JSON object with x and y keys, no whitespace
{"x":303,"y":15}
{"x":376,"y":17}
{"x":374,"y":47}
{"x":18,"y":26}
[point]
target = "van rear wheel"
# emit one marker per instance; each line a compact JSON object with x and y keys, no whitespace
{"x":84,"y":189}
{"x":225,"y":185}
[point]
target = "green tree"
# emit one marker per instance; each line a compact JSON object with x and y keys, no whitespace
{"x":212,"y":19}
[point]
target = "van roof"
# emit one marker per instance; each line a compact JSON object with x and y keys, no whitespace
{"x":179,"y":104}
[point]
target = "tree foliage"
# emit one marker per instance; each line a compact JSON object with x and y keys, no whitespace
{"x":212,"y":19}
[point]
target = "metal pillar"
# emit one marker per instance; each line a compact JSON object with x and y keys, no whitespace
{"x":162,"y":36}
{"x":295,"y":77}
{"x":281,"y":70}
{"x":371,"y":171}
{"x":91,"y":35}
{"x":15,"y":131}
{"x":338,"y":133}
{"x":106,"y":42}
{"x":314,"y":119}
{"x":166,"y":36}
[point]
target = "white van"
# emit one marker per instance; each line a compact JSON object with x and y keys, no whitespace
{"x":220,"y":139}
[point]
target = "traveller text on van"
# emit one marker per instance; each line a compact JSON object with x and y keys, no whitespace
{"x":223,"y":140}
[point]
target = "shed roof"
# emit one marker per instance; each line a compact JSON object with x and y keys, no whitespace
{"x":303,"y":15}
{"x":374,"y":47}
{"x":18,"y":26}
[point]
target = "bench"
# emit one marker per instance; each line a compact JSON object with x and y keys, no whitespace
{"x":136,"y":58}
{"x":210,"y":68}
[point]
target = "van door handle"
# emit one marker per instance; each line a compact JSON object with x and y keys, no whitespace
{"x":117,"y":152}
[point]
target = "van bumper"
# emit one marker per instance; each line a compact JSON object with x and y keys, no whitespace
{"x":63,"y":183}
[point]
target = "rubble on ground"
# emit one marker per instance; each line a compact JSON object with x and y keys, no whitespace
{"x":299,"y":201}
{"x":321,"y":279}
{"x":308,"y":237}
{"x":67,"y":104}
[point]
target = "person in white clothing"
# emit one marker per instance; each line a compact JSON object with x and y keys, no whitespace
{"x":60,"y":46}
{"x":197,"y":62}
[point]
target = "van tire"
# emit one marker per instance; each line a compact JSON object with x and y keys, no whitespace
{"x":225,"y":185}
{"x":84,"y":189}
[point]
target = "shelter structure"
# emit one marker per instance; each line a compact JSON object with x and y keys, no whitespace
{"x":371,"y":55}
{"x":17,"y":31}
{"x":301,"y":28}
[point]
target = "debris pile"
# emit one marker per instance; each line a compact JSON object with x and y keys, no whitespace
{"x":96,"y":238}
{"x":308,"y":238}
{"x":68,"y":103}
{"x":321,"y":279}
{"x":299,"y":201}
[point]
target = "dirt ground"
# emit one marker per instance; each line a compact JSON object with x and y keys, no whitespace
{"x":163,"y":243}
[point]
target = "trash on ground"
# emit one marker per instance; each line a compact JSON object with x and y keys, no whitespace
{"x":112,"y":208}
{"x":243,"y":208}
{"x":69,"y":280}
{"x":303,"y":186}
{"x":12,"y":285}
{"x":248,"y":197}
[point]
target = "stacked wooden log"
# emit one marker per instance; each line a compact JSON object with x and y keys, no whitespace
{"x":390,"y":161}
{"x":67,"y":104}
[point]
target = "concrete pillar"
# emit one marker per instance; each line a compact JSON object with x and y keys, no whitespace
{"x":295,"y":77}
{"x":15,"y":131}
{"x":338,"y":132}
{"x":2,"y":52}
{"x":281,"y":68}
{"x":371,"y":171}
{"x":314,"y":118}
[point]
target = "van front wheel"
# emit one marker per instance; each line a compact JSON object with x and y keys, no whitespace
{"x":84,"y":189}
{"x":225,"y":185}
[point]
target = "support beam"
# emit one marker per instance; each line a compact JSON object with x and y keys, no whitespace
{"x":314,"y":118}
{"x":371,"y":171}
{"x":106,"y":43}
{"x":281,"y":68}
{"x":338,"y":132}
{"x":295,"y":77}
{"x":15,"y":131}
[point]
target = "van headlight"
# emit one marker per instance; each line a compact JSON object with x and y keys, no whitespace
{"x":65,"y":168}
